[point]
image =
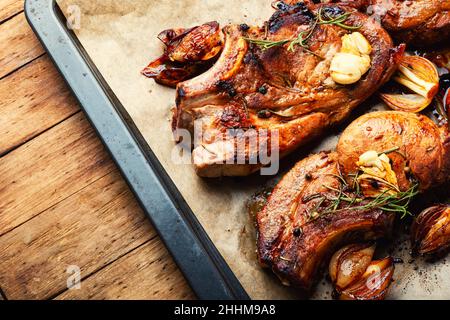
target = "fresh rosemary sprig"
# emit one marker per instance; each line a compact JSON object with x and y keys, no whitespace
{"x":389,"y":151}
{"x":384,"y":201}
{"x":394,"y":203}
{"x":302,"y":38}
{"x":267,"y":44}
{"x":339,"y":21}
{"x":349,"y":197}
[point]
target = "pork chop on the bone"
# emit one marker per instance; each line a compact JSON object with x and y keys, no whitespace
{"x":277,"y":90}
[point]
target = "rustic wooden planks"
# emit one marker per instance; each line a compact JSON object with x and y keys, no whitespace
{"x":18,"y":44}
{"x":32,"y":100}
{"x":62,"y":200}
{"x":8,"y":8}
{"x":146,"y":273}
{"x":90,"y":229}
{"x":49,"y":169}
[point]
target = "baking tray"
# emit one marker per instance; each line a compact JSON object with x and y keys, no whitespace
{"x":195,"y":254}
{"x":202,"y":221}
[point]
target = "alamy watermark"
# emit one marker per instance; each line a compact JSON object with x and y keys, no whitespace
{"x":73,"y":17}
{"x":211,"y":146}
{"x":74,"y":279}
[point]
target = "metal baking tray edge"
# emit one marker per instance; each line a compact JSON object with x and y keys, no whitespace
{"x":195,"y":254}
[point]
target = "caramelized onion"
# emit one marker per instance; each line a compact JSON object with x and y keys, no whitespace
{"x":349,"y":263}
{"x":419,"y":75}
{"x":374,"y":283}
{"x":188,"y":53}
{"x":430,"y":232}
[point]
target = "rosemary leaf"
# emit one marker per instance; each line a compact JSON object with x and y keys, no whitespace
{"x":387,"y":202}
{"x":302,"y":38}
{"x":389,"y":151}
{"x":267,"y":44}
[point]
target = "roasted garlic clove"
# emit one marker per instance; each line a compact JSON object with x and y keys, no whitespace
{"x":430,"y":232}
{"x":355,"y":43}
{"x":370,"y":159}
{"x":377,"y":175}
{"x":421,"y":76}
{"x":349,"y":263}
{"x":352,"y":61}
{"x":373,"y":284}
{"x":346,"y":68}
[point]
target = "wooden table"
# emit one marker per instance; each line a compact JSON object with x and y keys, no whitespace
{"x":63,"y":202}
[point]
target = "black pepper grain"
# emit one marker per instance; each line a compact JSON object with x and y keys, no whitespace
{"x":297,"y":232}
{"x":398,"y":260}
{"x":374,"y":184}
{"x":244,"y":27}
{"x":264,"y":114}
{"x":227,"y":87}
{"x":262,"y":90}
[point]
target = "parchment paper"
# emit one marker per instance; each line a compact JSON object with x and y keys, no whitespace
{"x":120,"y":38}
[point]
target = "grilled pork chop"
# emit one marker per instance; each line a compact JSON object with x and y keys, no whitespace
{"x":302,"y":224}
{"x":418,"y":22}
{"x":292,"y":241}
{"x":282,"y":89}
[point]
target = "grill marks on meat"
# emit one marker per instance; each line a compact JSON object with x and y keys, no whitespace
{"x":295,"y":246}
{"x":295,"y":87}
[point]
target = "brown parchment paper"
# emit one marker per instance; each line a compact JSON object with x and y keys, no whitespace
{"x":120,"y":38}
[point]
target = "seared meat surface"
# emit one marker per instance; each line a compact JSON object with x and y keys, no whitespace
{"x":302,"y":224}
{"x":418,"y":22}
{"x":187,"y":53}
{"x":287,"y":90}
{"x":292,"y":241}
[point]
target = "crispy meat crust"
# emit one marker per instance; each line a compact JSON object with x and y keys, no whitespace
{"x":247,"y":78}
{"x":297,"y":257}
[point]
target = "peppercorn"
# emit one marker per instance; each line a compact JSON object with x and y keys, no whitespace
{"x":262,"y":90}
{"x":244,"y":27}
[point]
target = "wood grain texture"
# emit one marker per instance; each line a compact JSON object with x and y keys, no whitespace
{"x":146,"y":273}
{"x":8,"y":8}
{"x":18,"y":44}
{"x":49,"y":169}
{"x":26,"y":110}
{"x":62,"y":200}
{"x":90,"y":229}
